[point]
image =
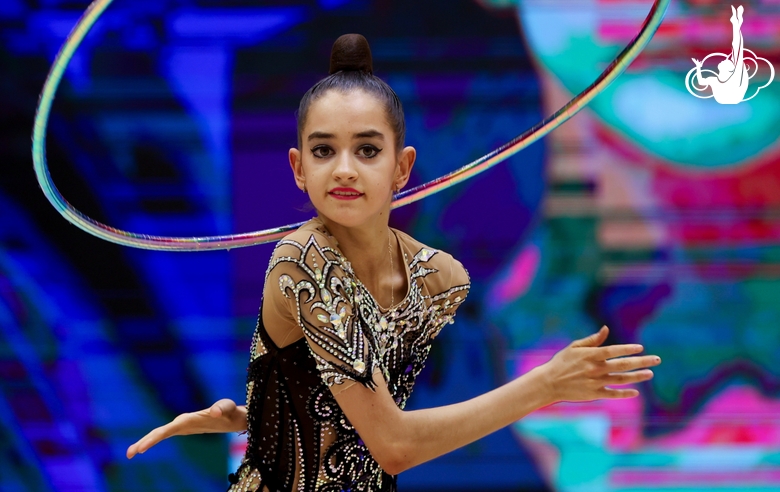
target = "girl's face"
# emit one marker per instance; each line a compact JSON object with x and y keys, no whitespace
{"x":347,"y":162}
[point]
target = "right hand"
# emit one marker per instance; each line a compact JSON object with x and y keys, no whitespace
{"x":222,"y":417}
{"x":697,"y":62}
{"x":584,"y":371}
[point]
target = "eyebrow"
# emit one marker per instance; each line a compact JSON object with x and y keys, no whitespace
{"x":369,"y":134}
{"x":363,"y":134}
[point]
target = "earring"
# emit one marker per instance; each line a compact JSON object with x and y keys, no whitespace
{"x":304,"y":188}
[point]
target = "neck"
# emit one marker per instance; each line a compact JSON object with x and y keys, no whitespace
{"x":367,"y":249}
{"x":364,"y":246}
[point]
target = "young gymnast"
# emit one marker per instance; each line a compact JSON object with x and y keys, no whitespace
{"x":350,"y":309}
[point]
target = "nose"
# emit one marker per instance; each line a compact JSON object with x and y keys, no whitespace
{"x":345,"y":169}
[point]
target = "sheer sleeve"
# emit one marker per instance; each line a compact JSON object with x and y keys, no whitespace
{"x":448,"y":291}
{"x":315,"y":284}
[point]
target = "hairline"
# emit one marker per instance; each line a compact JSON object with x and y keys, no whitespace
{"x":397,"y":141}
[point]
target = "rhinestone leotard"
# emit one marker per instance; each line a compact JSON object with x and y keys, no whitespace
{"x":298,"y":437}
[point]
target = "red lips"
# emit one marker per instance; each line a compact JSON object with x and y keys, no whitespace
{"x":345,"y":193}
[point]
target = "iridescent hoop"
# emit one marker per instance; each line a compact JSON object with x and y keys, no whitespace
{"x":144,"y":241}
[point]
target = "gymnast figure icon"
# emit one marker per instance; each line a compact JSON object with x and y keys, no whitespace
{"x":730,"y":84}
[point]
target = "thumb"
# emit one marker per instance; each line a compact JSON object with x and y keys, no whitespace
{"x":593,"y":340}
{"x":222,"y":408}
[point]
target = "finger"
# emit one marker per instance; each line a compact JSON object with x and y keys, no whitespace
{"x":593,"y":340}
{"x":612,"y":351}
{"x":131,"y":451}
{"x":629,"y":377}
{"x":150,"y":439}
{"x":625,"y":364}
{"x":222,"y":408}
{"x":215,"y":411}
{"x":612,"y":394}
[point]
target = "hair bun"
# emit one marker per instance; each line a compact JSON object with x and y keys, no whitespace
{"x":351,"y":53}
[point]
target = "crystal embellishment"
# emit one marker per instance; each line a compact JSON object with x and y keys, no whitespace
{"x":286,"y":282}
{"x":350,"y":336}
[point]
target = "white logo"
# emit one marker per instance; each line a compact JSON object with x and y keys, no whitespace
{"x":730,"y":84}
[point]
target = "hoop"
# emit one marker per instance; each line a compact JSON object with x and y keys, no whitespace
{"x":165,"y":243}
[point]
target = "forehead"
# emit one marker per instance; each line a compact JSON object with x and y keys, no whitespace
{"x":349,"y":111}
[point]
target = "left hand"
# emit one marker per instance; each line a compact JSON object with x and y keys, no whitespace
{"x":585,"y":370}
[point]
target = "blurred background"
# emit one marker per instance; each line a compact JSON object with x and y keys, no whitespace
{"x":652,"y":211}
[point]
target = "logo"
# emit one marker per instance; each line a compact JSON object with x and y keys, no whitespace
{"x":730,"y":84}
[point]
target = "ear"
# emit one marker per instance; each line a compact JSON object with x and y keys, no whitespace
{"x":403,"y":168}
{"x":297,"y":168}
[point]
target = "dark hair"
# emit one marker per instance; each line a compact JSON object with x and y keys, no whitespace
{"x":351,"y":68}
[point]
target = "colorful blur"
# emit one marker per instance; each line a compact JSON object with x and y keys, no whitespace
{"x":652,"y":211}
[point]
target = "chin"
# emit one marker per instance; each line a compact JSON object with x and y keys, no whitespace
{"x":346,"y":218}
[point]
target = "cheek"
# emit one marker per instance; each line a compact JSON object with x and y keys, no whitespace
{"x":313,"y":169}
{"x":382,"y":175}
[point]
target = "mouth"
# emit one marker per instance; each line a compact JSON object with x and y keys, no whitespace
{"x":345,"y":194}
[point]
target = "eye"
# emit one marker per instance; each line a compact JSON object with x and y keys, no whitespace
{"x":368,"y":151}
{"x":322,"y":151}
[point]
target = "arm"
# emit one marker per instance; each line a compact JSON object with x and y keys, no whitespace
{"x":399,"y":440}
{"x":313,"y":272}
{"x":699,"y":79}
